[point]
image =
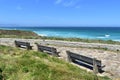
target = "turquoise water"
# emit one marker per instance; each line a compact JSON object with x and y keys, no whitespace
{"x":104,"y":33}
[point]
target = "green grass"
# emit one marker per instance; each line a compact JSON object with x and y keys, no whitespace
{"x":21,"y":37}
{"x":16,"y":64}
{"x":18,"y":34}
{"x":82,"y":40}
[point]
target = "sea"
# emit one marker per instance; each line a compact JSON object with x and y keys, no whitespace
{"x":102,"y":33}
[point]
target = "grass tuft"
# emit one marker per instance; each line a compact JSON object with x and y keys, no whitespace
{"x":31,"y":65}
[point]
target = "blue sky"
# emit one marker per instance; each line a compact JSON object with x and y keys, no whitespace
{"x":60,"y":12}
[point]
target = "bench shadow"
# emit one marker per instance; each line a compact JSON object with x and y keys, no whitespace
{"x":57,"y":53}
{"x":87,"y":66}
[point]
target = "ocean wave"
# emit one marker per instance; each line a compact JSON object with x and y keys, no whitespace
{"x":42,"y":34}
{"x":116,"y":40}
{"x":105,"y":36}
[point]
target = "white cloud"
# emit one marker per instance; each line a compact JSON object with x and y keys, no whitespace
{"x":58,"y":1}
{"x":68,"y":3}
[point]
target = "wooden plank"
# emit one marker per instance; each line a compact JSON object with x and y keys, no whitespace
{"x":23,"y":45}
{"x":47,"y":49}
{"x":51,"y":49}
{"x":96,"y":64}
{"x":83,"y":58}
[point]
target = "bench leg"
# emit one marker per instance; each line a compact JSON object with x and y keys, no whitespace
{"x":40,"y":50}
{"x":16,"y":45}
{"x":69,"y":58}
{"x":28,"y":48}
{"x":95,"y":67}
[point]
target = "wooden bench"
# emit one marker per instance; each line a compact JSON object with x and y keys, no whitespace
{"x":95,"y":64}
{"x":21,"y":44}
{"x":49,"y":50}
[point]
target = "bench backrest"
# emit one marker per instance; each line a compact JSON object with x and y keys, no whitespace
{"x":21,"y":44}
{"x":46,"y":48}
{"x":85,"y":59}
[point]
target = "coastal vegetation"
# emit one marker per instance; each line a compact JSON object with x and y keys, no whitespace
{"x":83,"y":40}
{"x":17,"y":64}
{"x":18,"y":34}
{"x":32,"y":35}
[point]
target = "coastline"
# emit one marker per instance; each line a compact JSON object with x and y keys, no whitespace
{"x":92,"y":33}
{"x":23,"y":34}
{"x":70,"y":42}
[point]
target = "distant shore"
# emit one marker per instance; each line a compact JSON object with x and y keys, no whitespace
{"x":31,"y":35}
{"x":74,"y":42}
{"x":90,"y":33}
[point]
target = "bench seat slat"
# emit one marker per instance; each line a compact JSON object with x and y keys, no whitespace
{"x":85,"y":60}
{"x":50,"y":50}
{"x":23,"y":45}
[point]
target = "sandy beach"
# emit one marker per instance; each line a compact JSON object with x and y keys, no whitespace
{"x":110,"y":57}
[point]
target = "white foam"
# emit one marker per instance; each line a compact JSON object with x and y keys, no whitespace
{"x":117,"y":40}
{"x":107,"y":35}
{"x":42,"y":34}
